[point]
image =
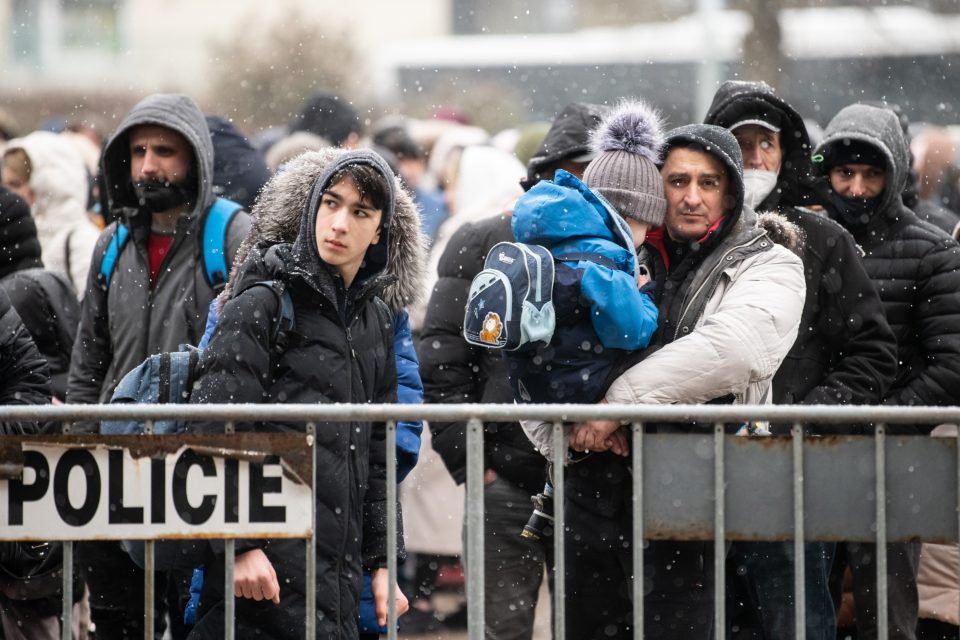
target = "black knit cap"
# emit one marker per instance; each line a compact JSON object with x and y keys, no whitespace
{"x":848,"y":151}
{"x":719,"y":143}
{"x":328,"y":116}
{"x":19,"y":246}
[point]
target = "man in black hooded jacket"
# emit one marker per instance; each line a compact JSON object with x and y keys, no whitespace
{"x":916,"y":269}
{"x":845,"y":352}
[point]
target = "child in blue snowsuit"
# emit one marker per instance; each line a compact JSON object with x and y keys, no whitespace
{"x":602,"y":297}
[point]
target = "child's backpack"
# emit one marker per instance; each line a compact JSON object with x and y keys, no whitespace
{"x":213,"y":241}
{"x":167,"y":378}
{"x":510,"y":304}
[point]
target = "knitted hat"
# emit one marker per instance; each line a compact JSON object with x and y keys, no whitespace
{"x":628,"y":144}
{"x":328,"y":116}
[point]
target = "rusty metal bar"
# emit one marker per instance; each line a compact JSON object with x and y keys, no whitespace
{"x":719,"y":528}
{"x":507,"y":412}
{"x":799,"y":546}
{"x":66,"y":622}
{"x":310,"y":626}
{"x":881,"y":495}
{"x":636,"y":450}
{"x":149,"y":572}
{"x":391,"y":529}
{"x":559,"y":532}
{"x":474,"y":517}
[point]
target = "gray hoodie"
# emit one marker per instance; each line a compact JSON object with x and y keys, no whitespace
{"x":123,"y":324}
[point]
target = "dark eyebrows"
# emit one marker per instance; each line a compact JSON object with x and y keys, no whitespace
{"x":363,"y":204}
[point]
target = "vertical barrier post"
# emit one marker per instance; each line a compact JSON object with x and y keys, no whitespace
{"x":636,"y":450}
{"x":310,"y":625}
{"x":66,"y":626}
{"x":391,"y":528}
{"x":799,"y":546}
{"x":475,"y":518}
{"x":957,"y":568}
{"x":66,"y":604}
{"x":719,"y":533}
{"x":149,"y":571}
{"x":881,"y":467}
{"x":229,"y":599}
{"x":559,"y":529}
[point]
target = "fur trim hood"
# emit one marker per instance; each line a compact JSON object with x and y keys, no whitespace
{"x":278,"y":212}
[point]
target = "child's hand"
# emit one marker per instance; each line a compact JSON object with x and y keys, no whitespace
{"x":643,"y":276}
{"x":380,"y":590}
{"x":255,"y":578}
{"x":617,"y":443}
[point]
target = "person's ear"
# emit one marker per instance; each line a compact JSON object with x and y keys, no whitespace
{"x":376,"y":237}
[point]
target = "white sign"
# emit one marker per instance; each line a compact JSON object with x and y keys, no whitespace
{"x":68,"y":493}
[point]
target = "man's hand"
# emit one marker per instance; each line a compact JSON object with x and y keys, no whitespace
{"x":595,"y":435}
{"x":380,"y":590}
{"x":254,"y":577}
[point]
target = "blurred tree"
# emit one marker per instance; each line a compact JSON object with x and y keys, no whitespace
{"x":763,"y":58}
{"x":263,"y":77}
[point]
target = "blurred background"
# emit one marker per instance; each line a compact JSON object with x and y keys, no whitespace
{"x":498,"y":63}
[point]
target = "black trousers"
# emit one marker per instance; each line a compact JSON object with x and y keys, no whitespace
{"x":678,"y":581}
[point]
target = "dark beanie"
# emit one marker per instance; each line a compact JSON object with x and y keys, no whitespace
{"x":19,"y":247}
{"x":328,"y":116}
{"x":848,"y":151}
{"x":567,"y":138}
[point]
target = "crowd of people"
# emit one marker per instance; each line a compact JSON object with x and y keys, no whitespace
{"x":753,"y":258}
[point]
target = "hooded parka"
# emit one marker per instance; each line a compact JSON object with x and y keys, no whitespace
{"x":914,"y":266}
{"x":340,"y":349}
{"x":845,"y":352}
{"x":128,"y":320}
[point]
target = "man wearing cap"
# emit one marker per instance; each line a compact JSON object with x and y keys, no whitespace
{"x":835,"y":360}
{"x":916,"y":269}
{"x":730,"y":301}
{"x":454,"y":371}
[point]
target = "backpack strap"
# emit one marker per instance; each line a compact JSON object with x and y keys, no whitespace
{"x":108,"y":263}
{"x":598,"y":258}
{"x":214,"y":241}
{"x":285,"y":322}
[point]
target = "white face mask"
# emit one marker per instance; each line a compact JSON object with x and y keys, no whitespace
{"x":757,"y":185}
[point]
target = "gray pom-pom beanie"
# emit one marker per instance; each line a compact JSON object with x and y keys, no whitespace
{"x":628,"y":143}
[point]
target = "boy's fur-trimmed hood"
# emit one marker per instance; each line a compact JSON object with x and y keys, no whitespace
{"x":278,"y":212}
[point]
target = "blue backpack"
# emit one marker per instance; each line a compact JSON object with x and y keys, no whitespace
{"x":213,"y":241}
{"x":167,"y":378}
{"x":510,"y":303}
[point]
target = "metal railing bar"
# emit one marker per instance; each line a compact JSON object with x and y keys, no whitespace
{"x":229,"y":558}
{"x":149,"y":572}
{"x":820,"y":414}
{"x":636,"y":451}
{"x":799,"y":546}
{"x":881,"y":552}
{"x":475,"y":520}
{"x":957,"y":568}
{"x":559,"y":532}
{"x":391,"y":529}
{"x":719,"y":532}
{"x":310,"y":626}
{"x":66,"y":622}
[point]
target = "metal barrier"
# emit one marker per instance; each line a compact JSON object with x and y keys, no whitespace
{"x":886,"y":481}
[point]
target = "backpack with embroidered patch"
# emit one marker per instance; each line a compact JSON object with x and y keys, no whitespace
{"x":167,"y":378}
{"x":213,"y":242}
{"x":510,"y":304}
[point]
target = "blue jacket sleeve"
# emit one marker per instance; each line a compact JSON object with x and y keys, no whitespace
{"x":409,"y":391}
{"x":623,"y":317}
{"x":211,"y":324}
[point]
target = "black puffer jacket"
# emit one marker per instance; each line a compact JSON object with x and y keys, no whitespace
{"x":915,"y":267}
{"x":24,"y":377}
{"x":845,"y":352}
{"x":455,"y":371}
{"x":340,"y":350}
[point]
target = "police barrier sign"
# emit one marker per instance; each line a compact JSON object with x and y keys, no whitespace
{"x":92,"y":488}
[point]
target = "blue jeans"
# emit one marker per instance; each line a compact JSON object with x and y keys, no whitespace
{"x":762,"y":574}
